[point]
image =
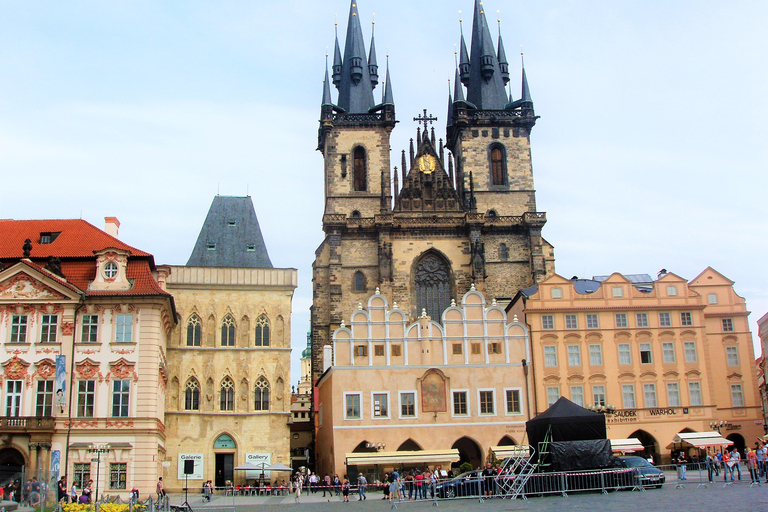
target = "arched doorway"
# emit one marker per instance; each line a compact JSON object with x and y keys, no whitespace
{"x":224,"y":452}
{"x":11,"y":463}
{"x":365,"y":447}
{"x":469,"y":451}
{"x":507,"y":441}
{"x":409,"y":445}
{"x":650,"y":445}
{"x":738,"y":443}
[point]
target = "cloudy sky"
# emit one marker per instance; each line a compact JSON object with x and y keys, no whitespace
{"x":650,"y":152}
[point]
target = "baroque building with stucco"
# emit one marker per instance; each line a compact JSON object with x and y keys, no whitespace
{"x":229,"y":399}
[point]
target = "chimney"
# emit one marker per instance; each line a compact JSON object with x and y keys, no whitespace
{"x":327,"y":357}
{"x":111,"y":225}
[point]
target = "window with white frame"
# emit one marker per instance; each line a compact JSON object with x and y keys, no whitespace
{"x":646,"y":356}
{"x":557,"y":293}
{"x":90,"y":329}
{"x":665,"y":320}
{"x":673,"y":394}
{"x":727,"y":325}
{"x":668,"y":352}
{"x":550,"y":356}
{"x":617,"y":291}
{"x":486,"y":399}
{"x":48,"y":328}
{"x":513,"y":403}
{"x":121,"y":392}
{"x":671,"y":291}
{"x":621,"y":320}
{"x":574,"y":355}
{"x":737,"y":395}
{"x":460,"y":403}
{"x":571,"y":322}
{"x":86,"y":398}
{"x":18,"y":328}
{"x":44,"y":398}
{"x":13,"y":395}
{"x":577,"y":395}
{"x":380,"y":405}
{"x":407,"y":404}
{"x":686,"y":319}
{"x":694,"y":393}
{"x":625,"y":353}
{"x":352,"y":406}
{"x":553,"y":395}
{"x":642,"y":319}
{"x":649,"y":395}
{"x":124,"y":328}
{"x":628,"y":396}
{"x":689,"y":348}
{"x":712,"y":298}
{"x":732,"y":356}
{"x":598,"y":394}
{"x":592,"y":321}
{"x":547,"y":322}
{"x":596,"y":355}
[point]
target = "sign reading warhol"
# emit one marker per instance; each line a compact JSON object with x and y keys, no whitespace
{"x":258,"y":459}
{"x":197,"y":474}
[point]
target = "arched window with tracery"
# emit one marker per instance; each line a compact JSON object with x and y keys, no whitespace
{"x":228,"y":332}
{"x":262,"y":331}
{"x":498,"y":165}
{"x":227,"y":402}
{"x":194,"y":331}
{"x":192,"y":395}
{"x":432,"y":279}
{"x":261,"y":395}
{"x":359,"y":170}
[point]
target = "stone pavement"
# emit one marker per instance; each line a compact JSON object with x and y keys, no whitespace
{"x":735,"y":498}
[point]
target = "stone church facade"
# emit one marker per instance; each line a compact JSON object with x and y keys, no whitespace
{"x":426,"y":232}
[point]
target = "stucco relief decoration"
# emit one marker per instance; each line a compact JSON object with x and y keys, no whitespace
{"x":123,"y":351}
{"x":122,"y":369}
{"x":110,"y":256}
{"x":16,"y":369}
{"x":67,"y":328}
{"x":433,"y":396}
{"x":46,"y":350}
{"x":23,"y":286}
{"x":88,"y":370}
{"x":45,"y":369}
{"x":119,"y":423}
{"x":82,"y":424}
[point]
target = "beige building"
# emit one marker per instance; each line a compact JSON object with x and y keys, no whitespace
{"x":661,"y":357}
{"x":448,"y":390}
{"x":84,"y":321}
{"x":229,"y":396}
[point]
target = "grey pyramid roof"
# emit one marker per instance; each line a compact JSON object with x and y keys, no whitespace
{"x":326,"y":89}
{"x":230,"y":236}
{"x":387,"y":97}
{"x":485,"y":94}
{"x":355,"y":95}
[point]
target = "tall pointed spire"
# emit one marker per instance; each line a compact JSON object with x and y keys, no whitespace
{"x":336,"y":58}
{"x":525,"y":95}
{"x":486,"y":84}
{"x":326,"y":87}
{"x":373,"y":68}
{"x":458,"y":90}
{"x":387,"y":97}
{"x":449,"y":116}
{"x":503,"y":64}
{"x":355,"y":87}
{"x":463,"y":68}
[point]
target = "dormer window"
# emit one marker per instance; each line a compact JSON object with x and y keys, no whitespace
{"x":231,"y":223}
{"x":48,"y":238}
{"x":110,"y":270}
{"x":210,"y":247}
{"x":250,"y":247}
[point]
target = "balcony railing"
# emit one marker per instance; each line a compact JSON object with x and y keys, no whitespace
{"x":27,"y":424}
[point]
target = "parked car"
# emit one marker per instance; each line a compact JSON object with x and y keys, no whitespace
{"x":470,"y":483}
{"x":644,"y":472}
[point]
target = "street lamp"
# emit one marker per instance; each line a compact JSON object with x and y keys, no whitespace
{"x":98,"y":449}
{"x":717,"y":425}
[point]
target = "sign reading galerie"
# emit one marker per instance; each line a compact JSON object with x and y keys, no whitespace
{"x":258,"y":459}
{"x":197,"y":474}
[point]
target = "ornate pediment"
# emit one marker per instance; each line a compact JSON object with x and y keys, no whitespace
{"x":23,"y":287}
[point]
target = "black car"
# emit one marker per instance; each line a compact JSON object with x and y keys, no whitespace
{"x":645,"y":473}
{"x":470,"y":483}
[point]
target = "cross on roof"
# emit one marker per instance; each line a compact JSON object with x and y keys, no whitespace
{"x":425,"y":119}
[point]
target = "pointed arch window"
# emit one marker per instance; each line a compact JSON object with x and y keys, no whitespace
{"x":227,"y":398}
{"x":228,"y":332}
{"x":359,"y":281}
{"x":262,"y":331}
{"x":194,"y":331}
{"x":433,"y":287}
{"x":503,"y":252}
{"x":192,"y":396}
{"x":261,"y":395}
{"x":359,"y":169}
{"x":498,"y":161}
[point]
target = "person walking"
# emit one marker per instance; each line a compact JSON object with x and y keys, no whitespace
{"x":682,"y":464}
{"x":327,"y":485}
{"x":361,"y":483}
{"x":345,"y":489}
{"x":709,"y":460}
{"x":160,"y":490}
{"x":752,"y":465}
{"x":62,"y":489}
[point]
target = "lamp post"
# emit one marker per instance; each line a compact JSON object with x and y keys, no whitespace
{"x":98,"y":449}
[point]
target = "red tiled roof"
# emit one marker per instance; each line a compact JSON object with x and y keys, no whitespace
{"x":78,"y":239}
{"x":52,"y":276}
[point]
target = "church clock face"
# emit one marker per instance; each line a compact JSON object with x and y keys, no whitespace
{"x":427,"y":164}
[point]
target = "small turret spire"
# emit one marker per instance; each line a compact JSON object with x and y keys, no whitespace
{"x":326,"y":86}
{"x":525,"y":95}
{"x":336,"y":57}
{"x":463,"y":58}
{"x":373,"y":68}
{"x":458,"y":90}
{"x":387,"y":97}
{"x":402,"y":166}
{"x":449,"y":116}
{"x":503,"y":64}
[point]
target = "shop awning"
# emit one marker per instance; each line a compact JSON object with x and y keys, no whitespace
{"x":505,"y":452}
{"x":699,"y":439}
{"x":626,"y":445}
{"x":403,"y":457}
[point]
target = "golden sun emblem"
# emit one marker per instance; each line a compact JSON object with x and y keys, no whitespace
{"x":427,"y":164}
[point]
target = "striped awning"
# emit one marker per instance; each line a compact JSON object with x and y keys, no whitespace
{"x":505,"y":452}
{"x":403,"y":457}
{"x":701,"y":439}
{"x":626,"y":445}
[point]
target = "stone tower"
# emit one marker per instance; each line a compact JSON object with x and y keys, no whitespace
{"x":444,"y":231}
